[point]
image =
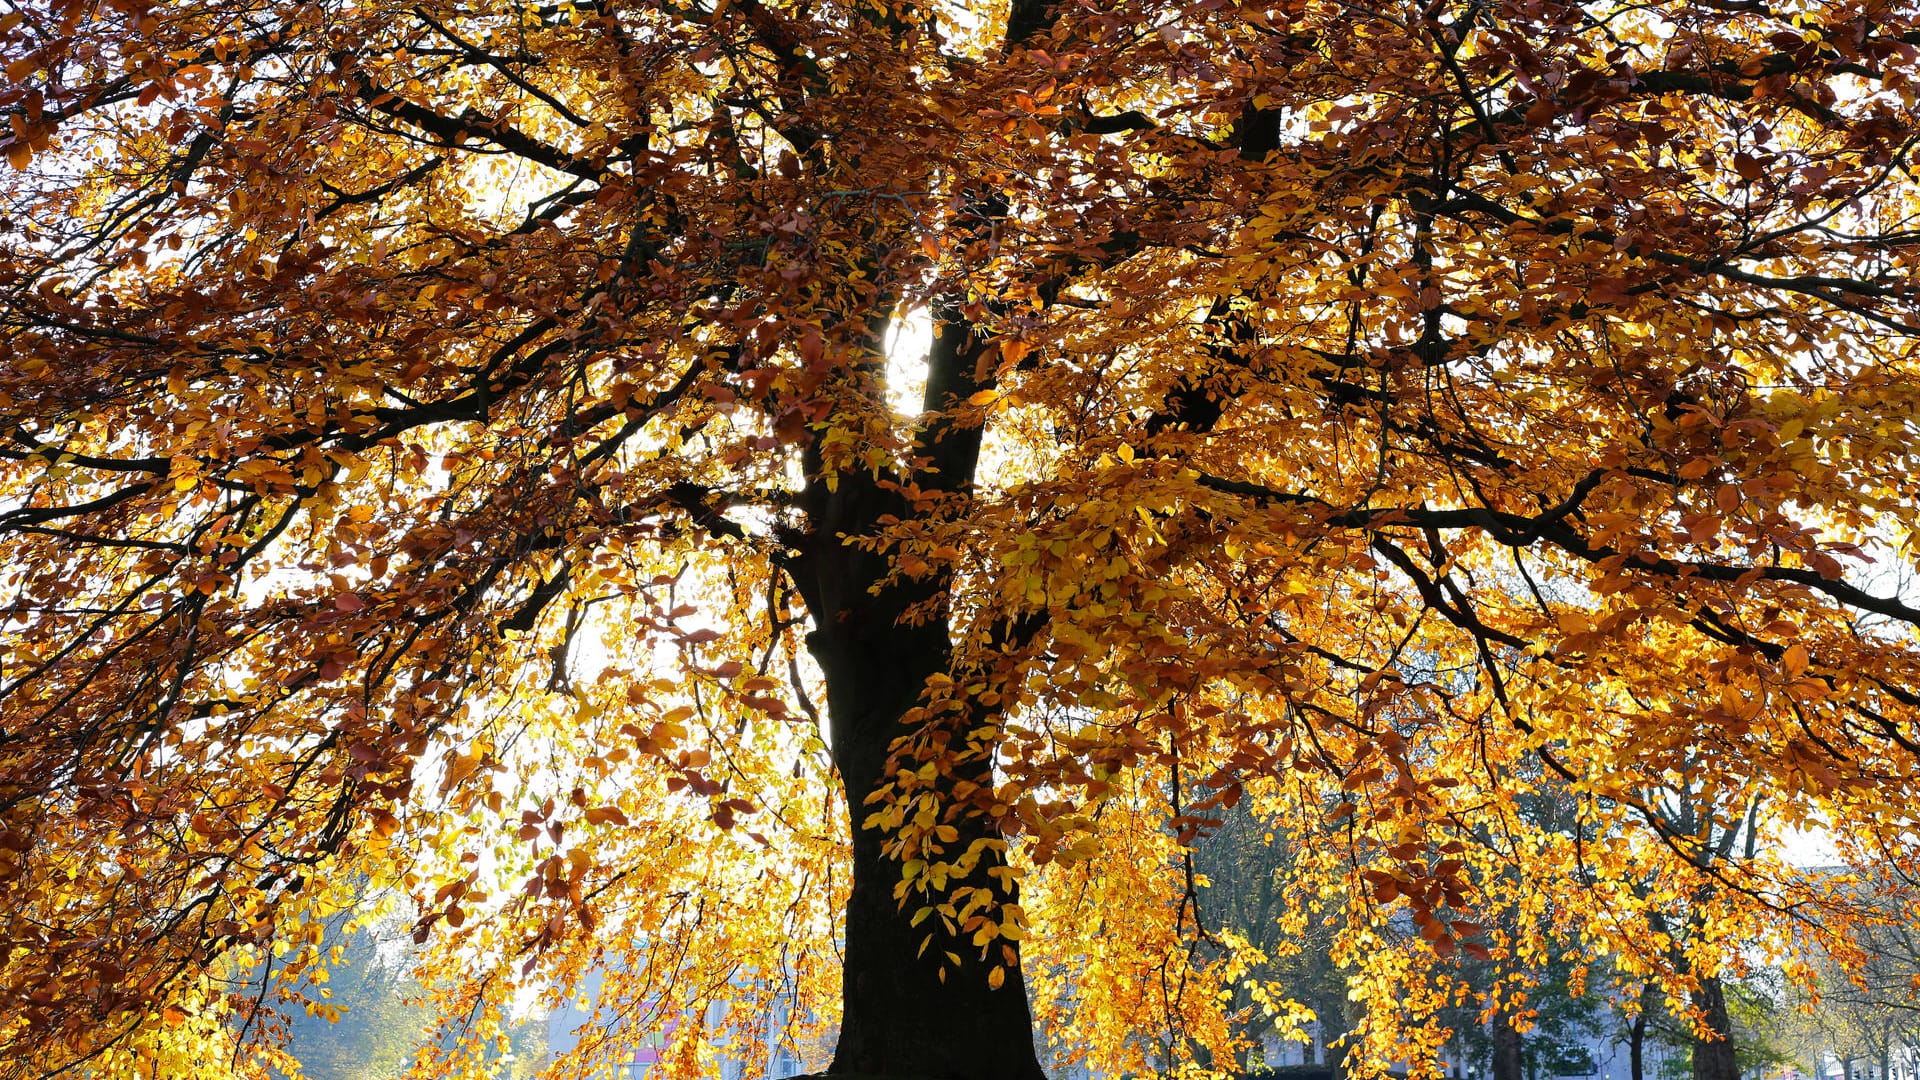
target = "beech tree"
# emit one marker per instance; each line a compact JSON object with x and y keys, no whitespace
{"x":481,"y":448}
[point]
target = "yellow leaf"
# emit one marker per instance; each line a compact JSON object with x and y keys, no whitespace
{"x":1795,"y":659}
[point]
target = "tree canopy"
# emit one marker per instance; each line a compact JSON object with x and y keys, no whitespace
{"x":804,"y":505}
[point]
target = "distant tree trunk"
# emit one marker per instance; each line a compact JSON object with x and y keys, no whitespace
{"x":1333,"y":1027}
{"x":1509,"y":1062}
{"x":1713,"y":1057}
{"x":1637,"y":1036}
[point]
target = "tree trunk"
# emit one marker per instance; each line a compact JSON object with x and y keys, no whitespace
{"x":1713,"y":1057}
{"x":1637,"y":1038}
{"x":1508,"y":1061}
{"x":901,"y":1018}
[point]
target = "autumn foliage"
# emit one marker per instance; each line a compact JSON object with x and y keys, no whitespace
{"x":708,"y":498}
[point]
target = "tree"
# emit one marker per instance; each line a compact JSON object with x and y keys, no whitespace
{"x":457,"y":444}
{"x":1720,"y":833}
{"x":1756,"y":1033}
{"x":1864,"y":1004}
{"x":1562,"y":1021}
{"x":1278,"y":924}
{"x":375,"y":1031}
{"x":361,"y":1016}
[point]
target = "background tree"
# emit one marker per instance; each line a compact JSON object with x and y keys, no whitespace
{"x":363,"y":1011}
{"x":1863,"y":1006}
{"x":1549,"y":1038}
{"x":457,"y":444}
{"x":1253,"y":892}
{"x":1759,"y":1039}
{"x":376,"y":1029}
{"x":1720,"y":834}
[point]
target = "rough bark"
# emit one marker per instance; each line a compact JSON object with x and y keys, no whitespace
{"x":1713,"y":1057}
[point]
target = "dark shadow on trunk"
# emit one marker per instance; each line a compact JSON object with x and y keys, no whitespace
{"x":1714,"y":1058}
{"x":1637,"y":1036}
{"x":1508,"y":1061}
{"x":901,"y":1016}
